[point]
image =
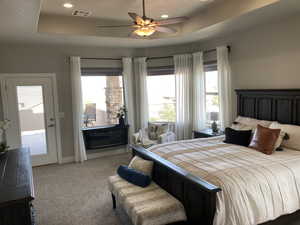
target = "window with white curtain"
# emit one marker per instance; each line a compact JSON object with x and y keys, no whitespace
{"x":102,"y":95}
{"x":161,"y":94}
{"x":211,"y":93}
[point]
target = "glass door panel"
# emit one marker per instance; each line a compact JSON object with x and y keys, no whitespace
{"x":32,"y":118}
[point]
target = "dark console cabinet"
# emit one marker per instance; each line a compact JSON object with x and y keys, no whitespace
{"x":16,"y":188}
{"x":104,"y":137}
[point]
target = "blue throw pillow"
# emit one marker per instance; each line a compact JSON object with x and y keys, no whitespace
{"x":133,"y":176}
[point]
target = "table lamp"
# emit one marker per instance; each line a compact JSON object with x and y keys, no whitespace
{"x":214,"y":116}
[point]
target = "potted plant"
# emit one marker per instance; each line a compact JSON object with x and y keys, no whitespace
{"x":121,"y":116}
{"x":4,"y":125}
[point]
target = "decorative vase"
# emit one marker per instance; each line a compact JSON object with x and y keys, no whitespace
{"x":121,"y":122}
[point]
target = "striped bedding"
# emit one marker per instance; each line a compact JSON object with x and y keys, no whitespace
{"x":255,"y":187}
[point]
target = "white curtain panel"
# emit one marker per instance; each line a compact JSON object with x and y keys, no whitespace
{"x":199,"y":117}
{"x":79,"y":147}
{"x":128,"y":81}
{"x":225,"y":91}
{"x":183,"y":89}
{"x":140,"y":71}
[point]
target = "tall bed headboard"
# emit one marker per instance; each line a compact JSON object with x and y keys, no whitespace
{"x":282,"y":105}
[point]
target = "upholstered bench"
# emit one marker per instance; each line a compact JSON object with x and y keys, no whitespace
{"x":146,"y":206}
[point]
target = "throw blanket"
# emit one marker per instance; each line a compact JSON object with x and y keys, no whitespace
{"x":255,"y":187}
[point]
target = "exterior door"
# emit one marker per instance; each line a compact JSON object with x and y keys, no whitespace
{"x":28,"y":102}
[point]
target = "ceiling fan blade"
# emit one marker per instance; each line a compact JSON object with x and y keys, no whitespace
{"x":136,"y":18}
{"x":171,"y":21}
{"x":166,"y":30}
{"x":113,"y":26}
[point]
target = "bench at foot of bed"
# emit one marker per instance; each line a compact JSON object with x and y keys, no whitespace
{"x":146,"y":206}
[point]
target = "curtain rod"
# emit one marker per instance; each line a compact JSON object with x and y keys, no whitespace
{"x":149,"y":58}
{"x":170,"y":56}
{"x":103,"y":58}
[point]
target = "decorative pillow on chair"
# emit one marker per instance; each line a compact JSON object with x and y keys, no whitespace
{"x":139,"y":164}
{"x":238,"y":137}
{"x":152,"y":131}
{"x":264,"y":139}
{"x":133,"y":176}
{"x":162,"y":129}
{"x":157,"y":129}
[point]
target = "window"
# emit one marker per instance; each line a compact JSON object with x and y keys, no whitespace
{"x":212,"y":96}
{"x":161,"y":98}
{"x":102,"y":98}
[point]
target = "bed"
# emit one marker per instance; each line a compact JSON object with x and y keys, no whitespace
{"x":193,"y":170}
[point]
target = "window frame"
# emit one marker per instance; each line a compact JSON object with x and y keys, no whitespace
{"x":103,"y":72}
{"x":161,"y":71}
{"x":210,"y":66}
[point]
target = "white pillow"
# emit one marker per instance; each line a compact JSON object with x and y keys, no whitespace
{"x":281,"y":136}
{"x":241,"y":126}
{"x":292,"y":131}
{"x":250,"y":122}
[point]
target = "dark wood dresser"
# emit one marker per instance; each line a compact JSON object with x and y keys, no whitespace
{"x":16,"y":188}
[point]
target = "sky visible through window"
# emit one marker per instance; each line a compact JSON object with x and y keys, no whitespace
{"x":161,"y":98}
{"x":212,"y":96}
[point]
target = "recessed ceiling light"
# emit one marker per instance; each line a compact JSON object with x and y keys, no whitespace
{"x":164,"y":16}
{"x":68,"y":5}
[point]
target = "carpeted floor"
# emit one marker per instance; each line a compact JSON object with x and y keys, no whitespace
{"x":77,"y":194}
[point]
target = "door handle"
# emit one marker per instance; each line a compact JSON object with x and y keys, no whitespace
{"x":51,"y":125}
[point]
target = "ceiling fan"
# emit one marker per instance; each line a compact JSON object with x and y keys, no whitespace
{"x":145,"y":26}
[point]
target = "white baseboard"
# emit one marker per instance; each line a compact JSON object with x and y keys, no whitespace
{"x":106,"y":153}
{"x":95,"y":155}
{"x":68,"y":159}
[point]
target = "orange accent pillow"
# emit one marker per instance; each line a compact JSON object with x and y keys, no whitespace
{"x":264,"y":139}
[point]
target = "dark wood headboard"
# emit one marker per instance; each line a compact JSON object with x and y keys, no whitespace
{"x":282,"y":105}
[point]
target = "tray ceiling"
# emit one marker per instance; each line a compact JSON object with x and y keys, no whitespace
{"x":23,"y":22}
{"x":117,"y":9}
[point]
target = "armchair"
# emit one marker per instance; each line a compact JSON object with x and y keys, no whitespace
{"x":155,"y":133}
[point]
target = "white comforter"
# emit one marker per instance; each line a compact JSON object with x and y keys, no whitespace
{"x":255,"y":187}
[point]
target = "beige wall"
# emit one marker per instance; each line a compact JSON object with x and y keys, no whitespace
{"x":53,"y":59}
{"x":265,"y":56}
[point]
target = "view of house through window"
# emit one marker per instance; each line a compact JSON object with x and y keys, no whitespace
{"x":212,"y":97}
{"x":161,"y":98}
{"x":102,"y":98}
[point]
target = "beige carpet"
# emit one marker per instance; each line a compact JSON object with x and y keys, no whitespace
{"x":77,"y":194}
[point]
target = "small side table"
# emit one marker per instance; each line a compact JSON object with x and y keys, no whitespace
{"x":206,"y":133}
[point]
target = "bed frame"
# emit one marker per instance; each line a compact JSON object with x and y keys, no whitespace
{"x":199,"y":196}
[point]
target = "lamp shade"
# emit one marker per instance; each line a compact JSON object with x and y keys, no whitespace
{"x":214,"y":116}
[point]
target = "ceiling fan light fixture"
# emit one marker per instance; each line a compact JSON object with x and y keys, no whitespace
{"x":68,"y":5}
{"x":145,"y":31}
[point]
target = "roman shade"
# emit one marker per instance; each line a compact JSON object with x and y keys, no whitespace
{"x":85,"y":71}
{"x":161,"y":70}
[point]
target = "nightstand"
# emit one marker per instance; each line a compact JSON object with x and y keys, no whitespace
{"x":207,"y":133}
